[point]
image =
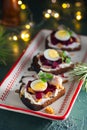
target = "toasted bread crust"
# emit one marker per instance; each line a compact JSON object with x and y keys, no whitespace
{"x":37,"y":107}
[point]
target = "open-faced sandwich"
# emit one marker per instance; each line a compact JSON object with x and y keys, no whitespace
{"x":41,"y":90}
{"x":64,"y":39}
{"x":52,"y":61}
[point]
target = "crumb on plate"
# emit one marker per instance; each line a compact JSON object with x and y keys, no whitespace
{"x":49,"y":110}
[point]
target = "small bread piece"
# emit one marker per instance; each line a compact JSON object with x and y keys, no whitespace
{"x":60,"y":39}
{"x":49,"y":110}
{"x":39,"y":62}
{"x":34,"y":102}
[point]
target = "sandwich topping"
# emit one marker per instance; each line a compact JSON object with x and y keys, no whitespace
{"x":52,"y":59}
{"x":63,"y":39}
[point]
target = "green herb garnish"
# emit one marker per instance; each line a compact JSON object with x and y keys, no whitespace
{"x":64,"y":54}
{"x":68,"y":59}
{"x":68,"y":30}
{"x":45,"y":76}
{"x":65,"y":57}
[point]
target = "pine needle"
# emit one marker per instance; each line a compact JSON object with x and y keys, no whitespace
{"x":80,"y":72}
{"x":4,"y":52}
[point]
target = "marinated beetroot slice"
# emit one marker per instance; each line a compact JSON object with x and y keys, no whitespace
{"x":55,"y":41}
{"x":52,"y":64}
{"x":56,"y":63}
{"x":38,"y":95}
{"x":50,"y":88}
{"x":44,"y":61}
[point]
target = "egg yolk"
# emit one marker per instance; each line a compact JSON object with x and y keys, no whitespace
{"x":39,"y":86}
{"x":53,"y":53}
{"x":62,"y":33}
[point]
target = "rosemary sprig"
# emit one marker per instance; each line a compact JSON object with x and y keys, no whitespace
{"x":80,"y":72}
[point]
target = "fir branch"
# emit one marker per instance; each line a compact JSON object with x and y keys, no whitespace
{"x":80,"y":72}
{"x":4,"y":52}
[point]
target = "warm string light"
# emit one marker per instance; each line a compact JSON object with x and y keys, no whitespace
{"x":13,"y":37}
{"x":47,"y":15}
{"x":19,"y":2}
{"x":56,"y":15}
{"x":65,"y":5}
{"x":22,"y":6}
{"x":27,"y":26}
{"x":78,"y":15}
{"x":25,"y":35}
{"x":51,"y":13}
